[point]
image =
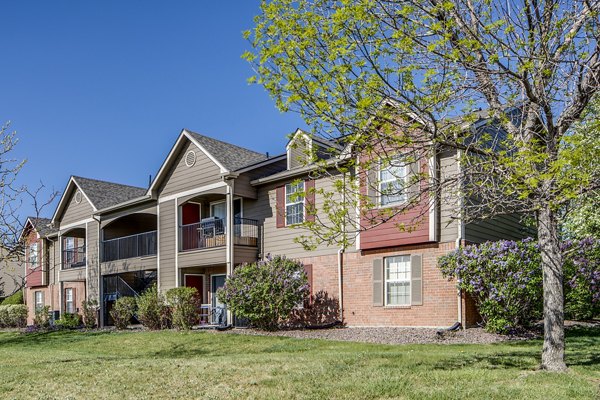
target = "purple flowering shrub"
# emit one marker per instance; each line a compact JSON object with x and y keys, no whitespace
{"x":265,"y":292}
{"x":582,"y":278}
{"x":504,"y":278}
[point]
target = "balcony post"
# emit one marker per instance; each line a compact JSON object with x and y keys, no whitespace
{"x":229,"y":231}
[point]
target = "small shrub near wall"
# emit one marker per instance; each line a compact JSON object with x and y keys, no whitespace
{"x":152,"y":310}
{"x":13,"y":316}
{"x":41,"y":320}
{"x":89,"y":309}
{"x":184,"y":303}
{"x":123,"y":311}
{"x":266,"y":292}
{"x":68,"y":321}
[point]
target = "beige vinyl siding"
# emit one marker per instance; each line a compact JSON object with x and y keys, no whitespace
{"x":72,"y":275}
{"x":449,"y":200}
{"x":281,"y":240}
{"x":243,"y":188}
{"x":181,"y":177}
{"x":245,"y":254}
{"x":129,"y":265}
{"x":199,"y":258}
{"x":75,"y":212}
{"x":298,"y":151}
{"x":498,"y":228}
{"x":140,"y":209}
{"x":167,"y":232}
{"x":93,"y":260}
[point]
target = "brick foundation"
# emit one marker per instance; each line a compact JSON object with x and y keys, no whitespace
{"x":440,"y":306}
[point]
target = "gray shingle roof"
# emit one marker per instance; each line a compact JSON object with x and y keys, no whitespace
{"x":232,"y":157}
{"x":104,"y":194}
{"x":43,"y":226}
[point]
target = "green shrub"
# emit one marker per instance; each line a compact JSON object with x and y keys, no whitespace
{"x":13,"y":316}
{"x":68,"y":321}
{"x":185,"y":304}
{"x":16,"y":298}
{"x":504,"y":278}
{"x":152,"y":310}
{"x":90,"y":311}
{"x":123,"y":311}
{"x":265,"y":292}
{"x":42,"y":318}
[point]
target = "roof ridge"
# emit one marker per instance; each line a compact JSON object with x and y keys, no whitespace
{"x":104,"y":181}
{"x":224,"y":142}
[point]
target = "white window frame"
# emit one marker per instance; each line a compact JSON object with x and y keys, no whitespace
{"x":301,"y":200}
{"x":34,"y":255}
{"x":39,"y":305}
{"x":387,"y":281}
{"x":69,"y":300}
{"x":394,"y":162}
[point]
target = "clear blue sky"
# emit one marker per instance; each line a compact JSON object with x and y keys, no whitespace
{"x":102,"y":89}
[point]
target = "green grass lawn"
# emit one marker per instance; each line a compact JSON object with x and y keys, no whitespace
{"x":166,"y":365}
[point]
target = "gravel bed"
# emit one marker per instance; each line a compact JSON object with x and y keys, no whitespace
{"x":390,"y":335}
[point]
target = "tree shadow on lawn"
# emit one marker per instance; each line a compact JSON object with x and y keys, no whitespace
{"x":50,"y":338}
{"x":583,"y":349}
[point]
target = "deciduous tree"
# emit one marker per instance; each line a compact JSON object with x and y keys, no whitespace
{"x":393,"y":76}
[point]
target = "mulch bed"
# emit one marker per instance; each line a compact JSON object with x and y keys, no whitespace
{"x":393,"y":335}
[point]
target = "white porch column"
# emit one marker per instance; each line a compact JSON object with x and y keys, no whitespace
{"x":229,"y":231}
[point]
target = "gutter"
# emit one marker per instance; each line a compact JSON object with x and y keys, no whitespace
{"x":460,"y":234}
{"x":137,"y":200}
{"x":296,"y":171}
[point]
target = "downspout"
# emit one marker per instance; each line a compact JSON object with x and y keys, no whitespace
{"x":100,"y":310}
{"x":460,"y":233}
{"x":340,"y":254}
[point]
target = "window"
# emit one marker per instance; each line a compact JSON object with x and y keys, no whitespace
{"x":392,"y":182}
{"x":39,"y":301}
{"x":69,"y":301}
{"x":294,"y":203}
{"x":33,"y":255}
{"x":397,"y":281}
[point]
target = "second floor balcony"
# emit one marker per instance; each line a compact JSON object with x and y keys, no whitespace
{"x":74,"y":257}
{"x":138,"y":245}
{"x":211,"y":232}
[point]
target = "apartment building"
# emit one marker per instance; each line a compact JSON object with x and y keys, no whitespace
{"x":214,"y":205}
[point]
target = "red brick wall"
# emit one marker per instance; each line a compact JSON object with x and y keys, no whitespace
{"x":50,"y":299}
{"x":440,"y":299}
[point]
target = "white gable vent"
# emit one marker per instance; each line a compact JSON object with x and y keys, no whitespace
{"x":78,"y":196}
{"x":190,"y":158}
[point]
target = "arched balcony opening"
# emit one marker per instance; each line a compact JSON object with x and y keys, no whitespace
{"x":73,"y":248}
{"x":130,"y":236}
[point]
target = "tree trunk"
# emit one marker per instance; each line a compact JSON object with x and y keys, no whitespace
{"x":553,"y":352}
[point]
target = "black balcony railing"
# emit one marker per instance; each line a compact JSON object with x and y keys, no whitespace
{"x":73,"y":258}
{"x":140,"y":245}
{"x":211,"y":233}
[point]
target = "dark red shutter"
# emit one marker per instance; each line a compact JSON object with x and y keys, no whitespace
{"x":309,"y":188}
{"x":280,"y":206}
{"x":75,"y":301}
